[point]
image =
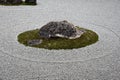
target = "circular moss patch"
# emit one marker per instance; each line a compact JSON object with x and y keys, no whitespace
{"x":87,"y":38}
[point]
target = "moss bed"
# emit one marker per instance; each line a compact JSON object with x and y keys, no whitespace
{"x":89,"y":37}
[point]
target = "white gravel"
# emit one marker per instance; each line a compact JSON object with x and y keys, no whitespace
{"x":100,"y":61}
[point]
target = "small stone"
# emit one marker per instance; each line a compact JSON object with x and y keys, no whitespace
{"x":34,"y":42}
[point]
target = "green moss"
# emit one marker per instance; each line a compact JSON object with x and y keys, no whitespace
{"x":89,"y":37}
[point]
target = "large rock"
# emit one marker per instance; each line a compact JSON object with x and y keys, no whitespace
{"x":60,"y":29}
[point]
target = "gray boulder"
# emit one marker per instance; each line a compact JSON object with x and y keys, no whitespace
{"x":59,"y":29}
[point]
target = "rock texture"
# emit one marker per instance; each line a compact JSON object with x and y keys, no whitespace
{"x":60,"y":29}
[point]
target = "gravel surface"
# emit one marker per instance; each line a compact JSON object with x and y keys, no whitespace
{"x":100,"y":61}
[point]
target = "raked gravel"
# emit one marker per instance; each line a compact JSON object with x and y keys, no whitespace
{"x":100,"y":61}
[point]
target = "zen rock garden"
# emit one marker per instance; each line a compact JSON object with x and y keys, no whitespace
{"x":58,"y":35}
{"x":18,"y":2}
